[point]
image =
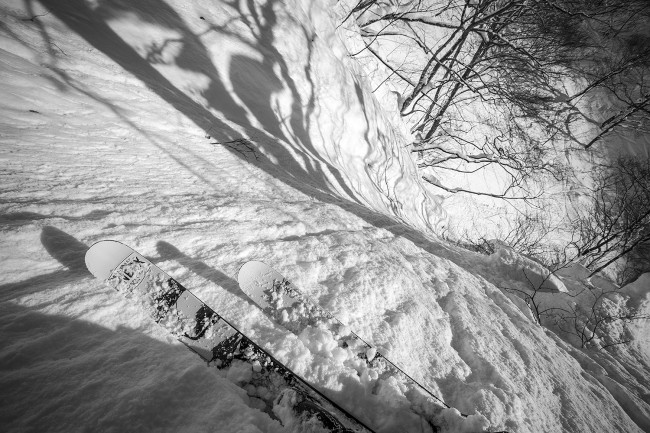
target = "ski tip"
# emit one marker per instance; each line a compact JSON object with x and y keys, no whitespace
{"x":249,"y":270}
{"x":104,"y":256}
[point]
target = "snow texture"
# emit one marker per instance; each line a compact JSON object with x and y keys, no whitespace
{"x":205,"y":134}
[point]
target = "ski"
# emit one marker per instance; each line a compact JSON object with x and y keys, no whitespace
{"x":217,"y":341}
{"x":287,"y":306}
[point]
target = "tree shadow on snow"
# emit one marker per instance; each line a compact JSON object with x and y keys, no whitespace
{"x":246,"y":72}
{"x":26,"y":217}
{"x":92,"y":25}
{"x":254,"y":83}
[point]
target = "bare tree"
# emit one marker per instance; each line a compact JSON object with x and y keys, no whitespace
{"x":531,"y":297}
{"x":591,"y":313}
{"x":594,"y":317}
{"x":484,"y":80}
{"x":618,"y":223}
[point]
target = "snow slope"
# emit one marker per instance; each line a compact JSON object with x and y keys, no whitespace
{"x":206,"y":134}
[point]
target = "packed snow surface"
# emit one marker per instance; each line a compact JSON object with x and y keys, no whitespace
{"x":206,"y":134}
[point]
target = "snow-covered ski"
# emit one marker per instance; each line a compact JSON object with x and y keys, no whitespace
{"x":287,"y":306}
{"x":286,"y":396}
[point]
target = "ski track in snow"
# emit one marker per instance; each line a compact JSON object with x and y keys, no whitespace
{"x":110,"y":115}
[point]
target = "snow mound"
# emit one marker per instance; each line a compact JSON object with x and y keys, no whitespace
{"x":521,"y":271}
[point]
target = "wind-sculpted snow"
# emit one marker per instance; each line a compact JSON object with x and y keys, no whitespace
{"x":206,"y":134}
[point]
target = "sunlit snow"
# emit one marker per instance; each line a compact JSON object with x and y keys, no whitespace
{"x":209,"y":133}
